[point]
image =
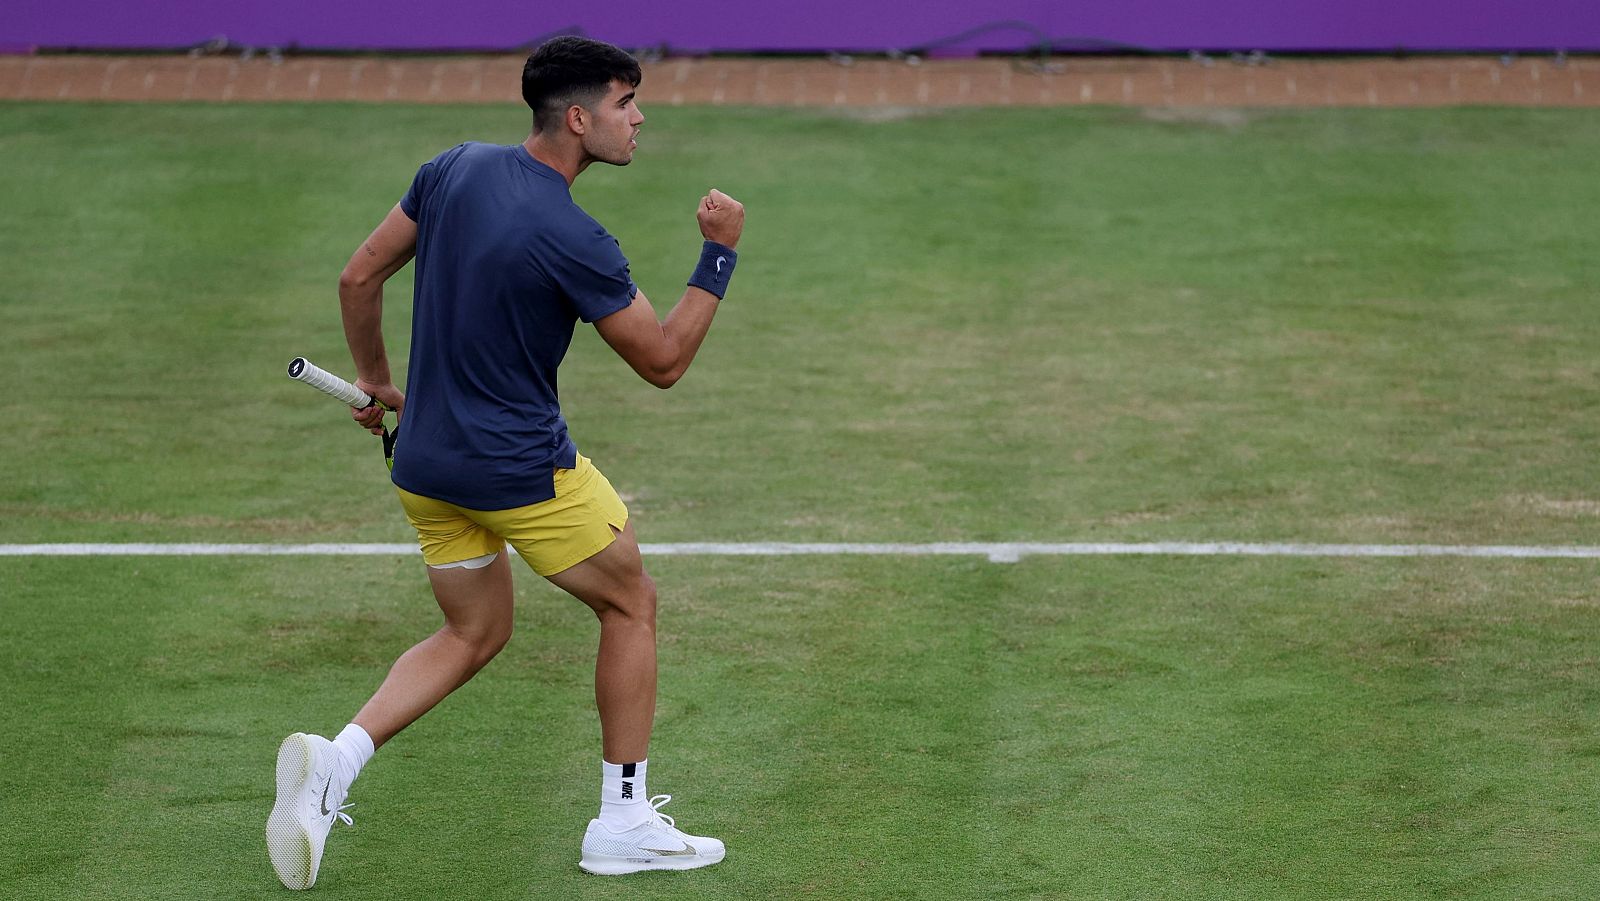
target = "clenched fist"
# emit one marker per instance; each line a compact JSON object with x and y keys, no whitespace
{"x":721,"y":218}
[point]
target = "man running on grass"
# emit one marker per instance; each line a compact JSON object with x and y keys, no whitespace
{"x":506,"y":264}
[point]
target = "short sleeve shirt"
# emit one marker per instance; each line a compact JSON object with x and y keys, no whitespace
{"x":506,"y":264}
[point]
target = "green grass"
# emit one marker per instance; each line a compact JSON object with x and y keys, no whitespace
{"x":1048,"y":325}
{"x":864,"y":728}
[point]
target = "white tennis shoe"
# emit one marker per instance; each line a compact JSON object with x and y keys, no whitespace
{"x":311,"y":793}
{"x":655,"y":844}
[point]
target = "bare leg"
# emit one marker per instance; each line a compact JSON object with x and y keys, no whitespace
{"x":614,"y":585}
{"x":477,"y":606}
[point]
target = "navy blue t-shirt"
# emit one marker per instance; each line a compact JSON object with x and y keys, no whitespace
{"x":506,"y":264}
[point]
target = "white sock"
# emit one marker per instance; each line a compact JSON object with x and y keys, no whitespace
{"x":624,"y":803}
{"x":355,"y":749}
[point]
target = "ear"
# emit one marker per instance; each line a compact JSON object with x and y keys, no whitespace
{"x":575,"y":119}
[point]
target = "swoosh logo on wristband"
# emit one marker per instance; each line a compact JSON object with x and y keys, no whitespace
{"x":720,"y":261}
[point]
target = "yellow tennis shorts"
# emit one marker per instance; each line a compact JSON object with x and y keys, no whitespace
{"x":551,"y":535}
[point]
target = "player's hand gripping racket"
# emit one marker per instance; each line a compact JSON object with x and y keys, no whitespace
{"x":303,"y":370}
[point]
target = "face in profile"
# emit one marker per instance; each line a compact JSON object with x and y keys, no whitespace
{"x":613,"y":126}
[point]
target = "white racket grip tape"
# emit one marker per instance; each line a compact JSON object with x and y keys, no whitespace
{"x":303,"y":370}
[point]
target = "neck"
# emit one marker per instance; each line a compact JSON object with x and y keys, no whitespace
{"x":566,"y":158}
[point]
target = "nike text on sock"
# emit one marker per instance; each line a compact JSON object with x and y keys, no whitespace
{"x":622,"y":794}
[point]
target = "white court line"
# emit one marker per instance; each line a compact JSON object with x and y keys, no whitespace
{"x":1009,"y":552}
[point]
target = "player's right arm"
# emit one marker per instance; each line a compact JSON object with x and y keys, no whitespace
{"x":660,"y":352}
{"x":390,"y":246}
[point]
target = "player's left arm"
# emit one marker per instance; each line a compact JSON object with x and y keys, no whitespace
{"x":660,"y":352}
{"x":386,"y":251}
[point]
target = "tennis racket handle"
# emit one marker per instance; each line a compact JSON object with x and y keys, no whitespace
{"x":303,"y":370}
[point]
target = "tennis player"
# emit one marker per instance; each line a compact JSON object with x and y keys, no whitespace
{"x":506,"y":265}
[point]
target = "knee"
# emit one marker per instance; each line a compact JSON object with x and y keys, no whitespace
{"x":635,"y":605}
{"x":483,"y":641}
{"x":494,"y":642}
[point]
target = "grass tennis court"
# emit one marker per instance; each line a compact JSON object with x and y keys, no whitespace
{"x":1097,"y":324}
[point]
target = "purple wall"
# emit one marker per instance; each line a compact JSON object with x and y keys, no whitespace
{"x":861,"y":25}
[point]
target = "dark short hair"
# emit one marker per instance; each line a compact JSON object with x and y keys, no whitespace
{"x":570,"y":69}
